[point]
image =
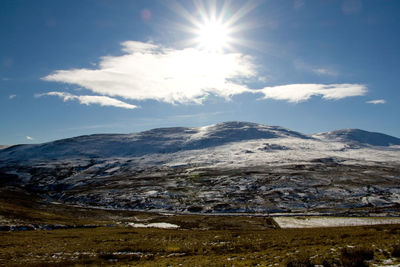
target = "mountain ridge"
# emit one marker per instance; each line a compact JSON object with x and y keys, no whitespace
{"x":218,"y":134}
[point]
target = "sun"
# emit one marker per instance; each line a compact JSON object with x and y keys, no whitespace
{"x":213,"y":36}
{"x":214,"y":26}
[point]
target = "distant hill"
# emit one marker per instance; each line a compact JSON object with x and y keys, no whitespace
{"x":360,"y":137}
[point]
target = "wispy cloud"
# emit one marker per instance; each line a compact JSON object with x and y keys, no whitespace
{"x":29,"y":138}
{"x":301,"y":65}
{"x":325,"y":71}
{"x":377,"y":101}
{"x":151,"y":71}
{"x":350,"y":7}
{"x":12,"y":96}
{"x":90,"y":99}
{"x":302,"y":92}
{"x":298,"y":4}
{"x":197,"y":115}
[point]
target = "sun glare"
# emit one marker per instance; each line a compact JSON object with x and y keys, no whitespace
{"x":213,"y":36}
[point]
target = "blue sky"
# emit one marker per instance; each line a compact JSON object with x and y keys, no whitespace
{"x":69,"y":68}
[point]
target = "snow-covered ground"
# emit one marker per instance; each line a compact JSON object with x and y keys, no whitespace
{"x":313,"y":222}
{"x":288,"y":150}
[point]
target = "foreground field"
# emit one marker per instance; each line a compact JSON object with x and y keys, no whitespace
{"x":126,"y":246}
{"x":109,"y":238}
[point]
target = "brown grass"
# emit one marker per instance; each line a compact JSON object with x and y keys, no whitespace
{"x":158,"y":247}
{"x":200,"y":241}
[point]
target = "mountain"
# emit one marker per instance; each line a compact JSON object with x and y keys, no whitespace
{"x":225,"y":167}
{"x":162,"y":140}
{"x":359,"y":137}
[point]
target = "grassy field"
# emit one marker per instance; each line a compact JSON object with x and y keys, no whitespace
{"x":123,"y":246}
{"x":201,"y":240}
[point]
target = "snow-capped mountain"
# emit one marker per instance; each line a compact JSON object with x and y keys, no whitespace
{"x":162,"y":140}
{"x":226,"y":167}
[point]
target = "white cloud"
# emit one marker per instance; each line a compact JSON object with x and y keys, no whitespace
{"x":151,"y":71}
{"x":29,"y":138}
{"x":90,"y":99}
{"x":302,"y":92}
{"x":377,"y":101}
{"x":12,"y":96}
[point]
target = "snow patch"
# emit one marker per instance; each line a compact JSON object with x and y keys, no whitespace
{"x":161,"y":225}
{"x":314,"y":222}
{"x":151,"y":193}
{"x":112,"y":169}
